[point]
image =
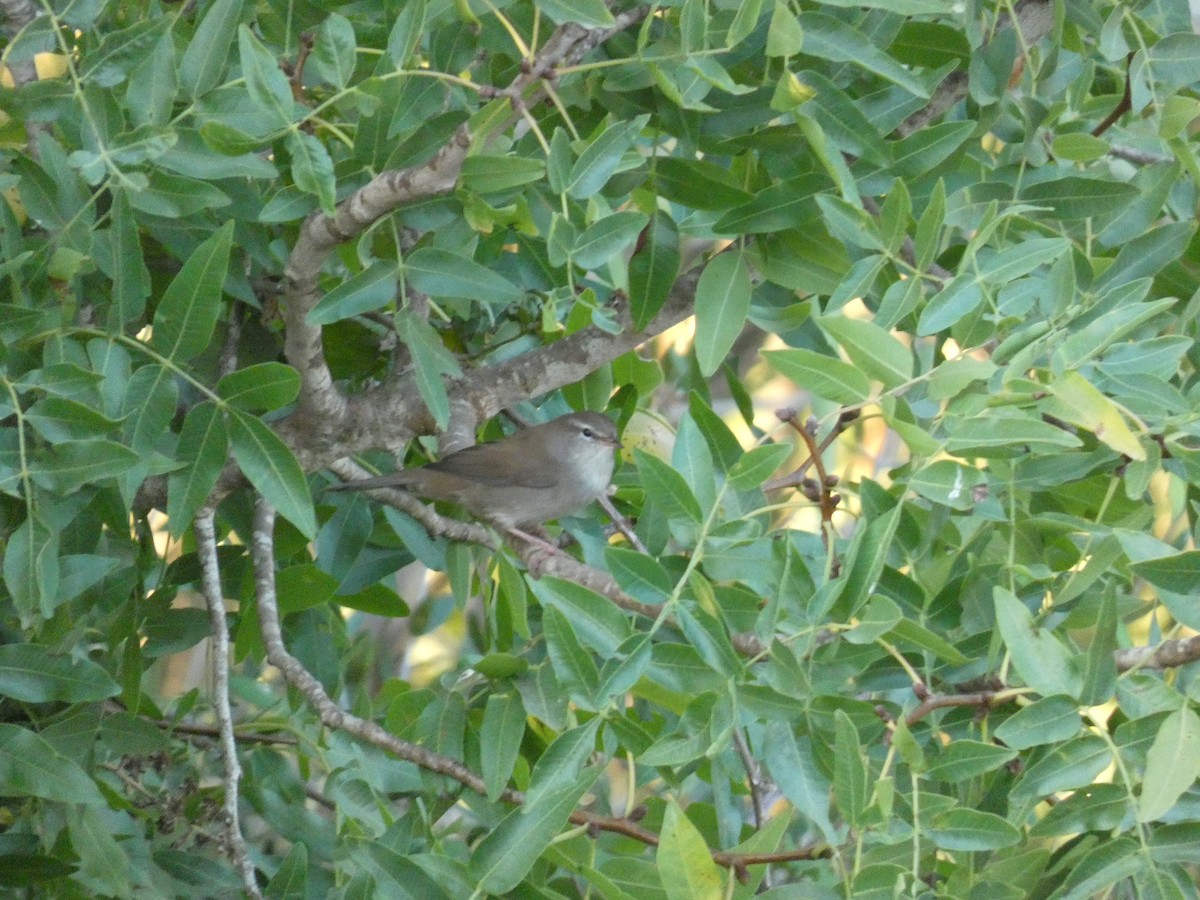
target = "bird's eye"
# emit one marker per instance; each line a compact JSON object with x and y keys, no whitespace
{"x":587,"y":433}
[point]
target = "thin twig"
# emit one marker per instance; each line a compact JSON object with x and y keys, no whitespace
{"x":622,"y":525}
{"x":753,"y":775}
{"x":1124,"y":105}
{"x":210,"y":583}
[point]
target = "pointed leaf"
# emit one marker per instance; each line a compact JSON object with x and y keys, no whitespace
{"x":32,"y":674}
{"x":722,"y":302}
{"x":272,"y":469}
{"x":825,"y":376}
{"x":203,"y":447}
{"x":187,"y":313}
{"x":441,"y":273}
{"x":684,"y":864}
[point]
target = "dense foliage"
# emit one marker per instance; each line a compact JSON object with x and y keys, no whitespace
{"x":928,"y":628}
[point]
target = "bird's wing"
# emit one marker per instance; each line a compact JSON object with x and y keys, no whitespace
{"x":483,"y":465}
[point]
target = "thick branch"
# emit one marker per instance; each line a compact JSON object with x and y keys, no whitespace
{"x":319,"y":398}
{"x":374,"y":417}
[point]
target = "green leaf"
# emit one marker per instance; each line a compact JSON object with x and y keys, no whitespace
{"x":59,"y":419}
{"x":150,"y":402}
{"x":910,"y":632}
{"x":793,"y":766}
{"x":850,"y":776}
{"x":684,"y":864}
{"x":1159,"y":70}
{"x":392,"y":874}
{"x":263,"y":386}
{"x":303,"y":586}
{"x":722,"y":302}
{"x":779,"y":207}
{"x":131,"y":278}
{"x":270,"y":466}
{"x":405,"y":35}
{"x":866,"y":558}
{"x":948,"y":482}
{"x":825,"y":376}
{"x":1081,"y":403}
{"x":757,"y":465}
{"x":1172,"y":764}
{"x":177,"y":196}
{"x":1041,"y":660}
{"x":828,"y":38}
{"x":928,"y":44}
{"x":708,"y":636}
{"x":1048,"y":721}
{"x":1179,"y":573}
{"x":70,"y":465}
{"x":228,"y":139}
{"x":265,"y":82}
{"x":950,"y":305}
{"x":372,"y":288}
{"x":595,"y":619}
{"x":876,"y":352}
{"x":653,"y":268}
{"x":205,"y":57}
{"x":592,"y":13}
{"x":963,"y":759}
{"x":32,"y":674}
{"x":291,"y":878}
{"x":1097,"y":807}
{"x":1066,"y":767}
{"x":1076,"y":197}
{"x":485,"y":174}
{"x":1014,"y":262}
{"x":441,"y":273}
{"x":503,"y":727}
{"x":624,"y":668}
{"x":119,"y":51}
{"x":431,"y":360}
{"x":376,"y":599}
{"x":607,"y":237}
{"x":31,"y":568}
{"x":1108,"y":863}
{"x":667,"y":488}
{"x":785,"y":37}
{"x":333,"y":55}
{"x":573,"y":665}
{"x":745,"y":20}
{"x":203,"y":448}
{"x":187,"y":313}
{"x":31,"y":767}
{"x":922,"y":151}
{"x":103,"y":866}
{"x":312,"y":168}
{"x":698,"y":184}
{"x":879,"y":617}
{"x":1079,"y":147}
{"x":1007,"y":433}
{"x":599,"y":160}
{"x":502,"y":859}
{"x":971,"y":829}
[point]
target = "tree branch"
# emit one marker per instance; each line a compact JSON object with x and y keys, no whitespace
{"x":210,"y":584}
{"x":1167,"y":655}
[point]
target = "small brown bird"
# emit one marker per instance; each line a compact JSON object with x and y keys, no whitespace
{"x":530,"y":477}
